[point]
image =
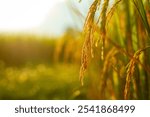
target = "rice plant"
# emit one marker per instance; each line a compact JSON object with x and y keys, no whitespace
{"x":119,"y":40}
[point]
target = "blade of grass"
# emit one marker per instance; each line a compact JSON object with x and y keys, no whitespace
{"x":140,"y":7}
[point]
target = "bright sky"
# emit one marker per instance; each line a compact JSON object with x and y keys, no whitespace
{"x":44,"y":17}
{"x":20,"y":15}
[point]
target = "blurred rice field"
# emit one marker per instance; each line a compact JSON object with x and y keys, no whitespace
{"x":34,"y":67}
{"x":40,"y":82}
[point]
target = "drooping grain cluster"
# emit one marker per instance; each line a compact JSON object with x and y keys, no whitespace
{"x":103,"y":17}
{"x":89,"y":28}
{"x":120,"y":36}
{"x":87,"y":50}
{"x":130,"y":71}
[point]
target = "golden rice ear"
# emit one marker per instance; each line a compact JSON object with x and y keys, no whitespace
{"x":103,"y":16}
{"x":130,"y":71}
{"x":87,"y":49}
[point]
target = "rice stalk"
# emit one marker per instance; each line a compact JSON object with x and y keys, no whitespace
{"x":111,"y":11}
{"x":105,"y":71}
{"x":102,"y":20}
{"x":87,"y":49}
{"x":128,"y":28}
{"x":130,"y":71}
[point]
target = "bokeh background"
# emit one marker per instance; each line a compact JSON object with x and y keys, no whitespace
{"x":40,"y":49}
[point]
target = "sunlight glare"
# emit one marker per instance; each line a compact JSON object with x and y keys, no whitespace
{"x":18,"y":15}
